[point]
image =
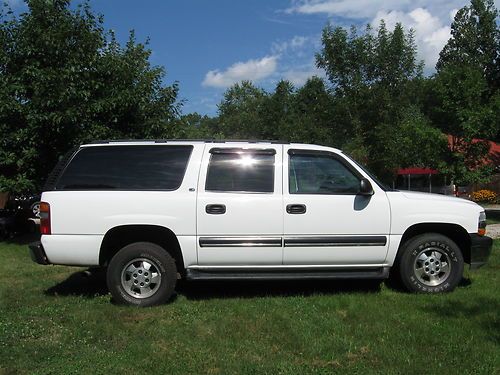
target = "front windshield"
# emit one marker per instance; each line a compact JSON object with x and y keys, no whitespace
{"x":372,"y":176}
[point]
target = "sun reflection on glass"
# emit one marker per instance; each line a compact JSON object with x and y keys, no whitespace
{"x":246,"y":161}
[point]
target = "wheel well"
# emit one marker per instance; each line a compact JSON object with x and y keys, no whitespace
{"x":453,"y":231}
{"x":120,"y":236}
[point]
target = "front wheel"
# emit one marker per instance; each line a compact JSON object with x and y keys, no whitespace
{"x":430,"y":263}
{"x":142,"y":274}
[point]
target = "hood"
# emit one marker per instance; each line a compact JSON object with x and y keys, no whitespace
{"x":437,"y":197}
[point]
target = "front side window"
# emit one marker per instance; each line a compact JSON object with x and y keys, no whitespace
{"x":320,"y":174}
{"x":241,"y":171}
{"x":126,"y":168}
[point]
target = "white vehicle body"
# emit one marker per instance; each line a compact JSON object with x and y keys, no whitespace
{"x":80,"y":220}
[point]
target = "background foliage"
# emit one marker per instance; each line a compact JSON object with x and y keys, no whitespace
{"x":65,"y":80}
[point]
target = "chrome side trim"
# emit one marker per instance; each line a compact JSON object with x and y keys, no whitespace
{"x":249,"y":241}
{"x":285,"y":267}
{"x":335,"y":241}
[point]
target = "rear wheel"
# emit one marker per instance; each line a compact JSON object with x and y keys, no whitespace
{"x":142,"y":274}
{"x":430,"y":263}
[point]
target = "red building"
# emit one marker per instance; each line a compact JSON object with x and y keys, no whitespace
{"x":431,"y":180}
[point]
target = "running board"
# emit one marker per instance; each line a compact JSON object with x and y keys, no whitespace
{"x":287,"y":274}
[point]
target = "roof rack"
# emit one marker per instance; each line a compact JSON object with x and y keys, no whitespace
{"x":188,"y":140}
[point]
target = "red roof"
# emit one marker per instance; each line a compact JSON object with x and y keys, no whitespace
{"x":494,"y":156}
{"x":417,"y":171}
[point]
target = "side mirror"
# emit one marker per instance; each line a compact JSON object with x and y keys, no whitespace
{"x":365,"y":187}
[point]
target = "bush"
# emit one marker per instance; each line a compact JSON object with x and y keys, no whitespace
{"x":484,"y":196}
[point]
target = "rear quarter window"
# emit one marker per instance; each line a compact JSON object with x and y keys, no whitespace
{"x":126,"y":168}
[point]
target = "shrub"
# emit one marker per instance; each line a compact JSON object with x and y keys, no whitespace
{"x":484,"y":196}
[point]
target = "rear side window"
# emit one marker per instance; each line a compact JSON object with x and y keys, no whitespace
{"x":126,"y":168}
{"x":241,"y":171}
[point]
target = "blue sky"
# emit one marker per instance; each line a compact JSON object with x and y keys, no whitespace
{"x":208,"y":45}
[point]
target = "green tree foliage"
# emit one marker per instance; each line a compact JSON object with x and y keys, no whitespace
{"x":379,"y":107}
{"x":240,"y":112}
{"x":65,"y":80}
{"x":466,"y":90}
{"x":375,"y":76}
{"x":303,"y":115}
{"x":312,"y":112}
{"x":475,"y":41}
{"x":196,"y":126}
{"x":277,"y":112}
{"x":354,"y":62}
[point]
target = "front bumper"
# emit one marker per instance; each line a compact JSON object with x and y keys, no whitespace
{"x":480,"y":250}
{"x":38,"y":253}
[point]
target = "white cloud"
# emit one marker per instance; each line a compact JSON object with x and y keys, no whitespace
{"x":297,"y":41}
{"x":344,"y":8}
{"x":297,"y":62}
{"x":252,"y":70}
{"x":368,"y":9}
{"x":453,"y":13}
{"x":430,"y":33}
{"x":430,"y":19}
{"x":299,"y":76}
{"x":292,"y":45}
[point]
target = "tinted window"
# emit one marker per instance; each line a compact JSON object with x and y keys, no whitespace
{"x":126,"y":168}
{"x":245,"y":172}
{"x":320,"y":174}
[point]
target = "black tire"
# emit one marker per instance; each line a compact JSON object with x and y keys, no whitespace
{"x":124,"y":284}
{"x":430,"y":263}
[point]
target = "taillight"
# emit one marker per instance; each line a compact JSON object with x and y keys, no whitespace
{"x":45,"y":218}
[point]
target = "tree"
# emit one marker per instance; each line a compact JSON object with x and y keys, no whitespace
{"x":311,"y":120}
{"x":196,"y":126}
{"x":65,"y":80}
{"x":278,"y":112}
{"x":354,"y":62}
{"x":375,"y":77}
{"x":465,"y":113}
{"x":475,"y":41}
{"x":240,"y":111}
{"x":466,"y":89}
{"x":302,"y":115}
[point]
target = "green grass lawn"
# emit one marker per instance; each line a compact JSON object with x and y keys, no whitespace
{"x":54,"y":319}
{"x":492,"y":217}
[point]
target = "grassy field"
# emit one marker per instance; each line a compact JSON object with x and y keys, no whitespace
{"x":56,"y":319}
{"x":492,"y":217}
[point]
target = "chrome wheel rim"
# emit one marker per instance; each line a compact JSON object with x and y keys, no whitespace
{"x":36,"y":209}
{"x":432,"y":266}
{"x":141,"y":278}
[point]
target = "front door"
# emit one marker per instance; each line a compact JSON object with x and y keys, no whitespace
{"x":325,"y":221}
{"x":239,"y":206}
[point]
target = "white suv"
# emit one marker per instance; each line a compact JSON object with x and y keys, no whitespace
{"x":156,"y":211}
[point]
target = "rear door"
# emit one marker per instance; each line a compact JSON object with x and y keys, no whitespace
{"x":239,"y":206}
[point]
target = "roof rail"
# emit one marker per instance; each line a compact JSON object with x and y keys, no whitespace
{"x":188,"y":140}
